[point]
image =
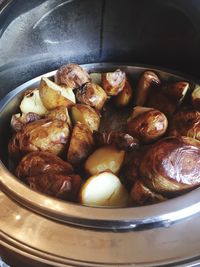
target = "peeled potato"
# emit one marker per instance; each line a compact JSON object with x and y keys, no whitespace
{"x":105,"y":158}
{"x":81,"y":144}
{"x":53,"y":95}
{"x":31,"y":102}
{"x":86,"y":115}
{"x":104,"y":189}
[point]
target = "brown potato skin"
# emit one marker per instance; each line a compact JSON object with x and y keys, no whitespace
{"x":56,"y":185}
{"x":42,"y":135}
{"x":87,"y":115}
{"x":186,"y":123}
{"x":121,"y":140}
{"x":168,"y":98}
{"x":92,"y":94}
{"x":39,"y":163}
{"x":17,"y":122}
{"x":81,"y":144}
{"x":148,"y":126}
{"x":146,"y":81}
{"x":141,"y":195}
{"x":125,"y":96}
{"x":172,"y":165}
{"x":72,"y":75}
{"x":113,"y":82}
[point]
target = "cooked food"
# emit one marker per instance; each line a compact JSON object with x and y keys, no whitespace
{"x":38,"y":163}
{"x":147,"y":124}
{"x":107,"y":158}
{"x":42,"y":135}
{"x":186,"y":122}
{"x":113,"y":82}
{"x":19,"y":120}
{"x":32,"y":103}
{"x":121,"y":140}
{"x":92,"y":94}
{"x":172,"y":165}
{"x":125,"y":96}
{"x":141,"y":195}
{"x":168,"y":98}
{"x":86,"y":115}
{"x":196,"y":97}
{"x":104,"y":189}
{"x":72,"y":75}
{"x":147,"y":80}
{"x":53,"y":95}
{"x":76,"y":133}
{"x":57,"y":185}
{"x":81,"y":144}
{"x":60,"y":113}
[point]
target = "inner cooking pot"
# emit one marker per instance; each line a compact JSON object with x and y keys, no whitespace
{"x":37,"y":37}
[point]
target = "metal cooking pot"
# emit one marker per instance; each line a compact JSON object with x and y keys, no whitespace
{"x":38,"y":230}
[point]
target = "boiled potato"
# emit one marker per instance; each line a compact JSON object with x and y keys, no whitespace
{"x":125,"y":96}
{"x":53,"y":95}
{"x":86,"y":115}
{"x":104,"y":189}
{"x":105,"y":158}
{"x":32,"y":102}
{"x":113,"y":82}
{"x":81,"y":144}
{"x":92,"y":94}
{"x":59,"y":113}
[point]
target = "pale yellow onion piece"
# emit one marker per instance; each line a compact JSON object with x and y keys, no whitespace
{"x":104,"y":189}
{"x":105,"y":158}
{"x":32,"y":103}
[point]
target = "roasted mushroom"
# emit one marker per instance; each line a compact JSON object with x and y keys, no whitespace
{"x":113,"y":82}
{"x":42,"y":135}
{"x":92,"y":94}
{"x":72,"y":75}
{"x":172,"y":166}
{"x":187,"y":123}
{"x":147,"y":124}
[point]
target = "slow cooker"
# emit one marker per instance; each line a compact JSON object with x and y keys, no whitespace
{"x":36,"y":38}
